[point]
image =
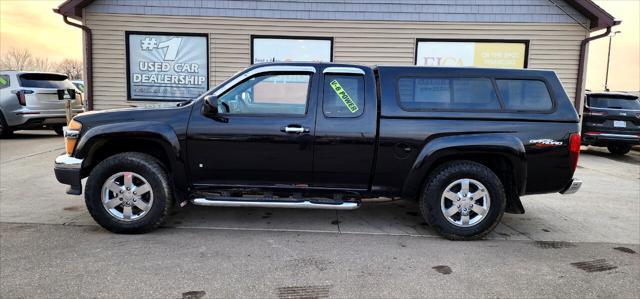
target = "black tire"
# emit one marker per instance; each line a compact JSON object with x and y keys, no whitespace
{"x":441,"y":178}
{"x":58,"y":130}
{"x":144,"y":165}
{"x":619,"y":149}
{"x":5,"y":130}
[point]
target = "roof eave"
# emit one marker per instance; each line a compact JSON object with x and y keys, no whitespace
{"x":72,"y":8}
{"x":598,"y":17}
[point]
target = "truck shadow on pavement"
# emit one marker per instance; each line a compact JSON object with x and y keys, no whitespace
{"x":395,"y":218}
{"x":633,"y":157}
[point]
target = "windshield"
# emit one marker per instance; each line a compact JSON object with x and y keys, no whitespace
{"x":614,"y":102}
{"x":35,"y":80}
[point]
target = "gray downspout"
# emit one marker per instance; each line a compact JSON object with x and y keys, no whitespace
{"x":88,"y":64}
{"x":581,"y":66}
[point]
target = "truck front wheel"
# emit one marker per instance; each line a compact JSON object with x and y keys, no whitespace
{"x":463,"y":200}
{"x":128,"y":193}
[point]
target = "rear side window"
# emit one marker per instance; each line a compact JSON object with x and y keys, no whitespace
{"x":447,"y":94}
{"x":614,"y":102}
{"x":54,"y":81}
{"x":525,"y":95}
{"x":343,"y":95}
{"x":4,"y":81}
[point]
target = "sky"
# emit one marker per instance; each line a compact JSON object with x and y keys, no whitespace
{"x":32,"y":24}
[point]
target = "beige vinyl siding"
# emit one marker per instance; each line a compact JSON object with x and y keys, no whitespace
{"x":552,"y":46}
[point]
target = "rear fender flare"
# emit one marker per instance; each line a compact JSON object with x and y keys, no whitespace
{"x":504,"y":145}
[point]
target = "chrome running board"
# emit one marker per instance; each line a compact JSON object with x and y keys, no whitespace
{"x":301,"y":204}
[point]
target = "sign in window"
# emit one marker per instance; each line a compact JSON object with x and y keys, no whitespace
{"x":167,"y":67}
{"x":493,"y":54}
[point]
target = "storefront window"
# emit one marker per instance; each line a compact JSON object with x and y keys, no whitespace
{"x":286,"y":49}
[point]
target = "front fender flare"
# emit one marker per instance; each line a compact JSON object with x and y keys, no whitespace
{"x":502,"y":144}
{"x":157,"y":132}
{"x":135,"y":129}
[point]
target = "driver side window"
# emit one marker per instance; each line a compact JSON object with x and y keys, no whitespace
{"x":272,"y":93}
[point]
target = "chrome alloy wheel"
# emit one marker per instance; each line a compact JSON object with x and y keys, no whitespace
{"x":127,"y":196}
{"x":465,"y":202}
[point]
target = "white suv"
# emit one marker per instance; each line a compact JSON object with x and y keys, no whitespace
{"x":30,"y":100}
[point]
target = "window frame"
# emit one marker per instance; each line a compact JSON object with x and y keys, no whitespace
{"x":277,"y":72}
{"x":364,"y":90}
{"x":493,"y":84}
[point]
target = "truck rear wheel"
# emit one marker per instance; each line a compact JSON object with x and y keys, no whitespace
{"x":463,"y":200}
{"x":128,"y":193}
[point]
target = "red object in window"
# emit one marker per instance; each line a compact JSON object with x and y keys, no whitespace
{"x":574,"y":149}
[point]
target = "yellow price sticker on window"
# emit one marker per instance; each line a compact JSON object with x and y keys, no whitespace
{"x":344,"y":96}
{"x":3,"y":81}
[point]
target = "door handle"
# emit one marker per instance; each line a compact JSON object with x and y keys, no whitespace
{"x":294,"y":129}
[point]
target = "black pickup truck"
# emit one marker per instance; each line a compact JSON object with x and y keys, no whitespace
{"x":465,"y":143}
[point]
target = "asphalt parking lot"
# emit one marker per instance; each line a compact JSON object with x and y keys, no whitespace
{"x":581,"y":245}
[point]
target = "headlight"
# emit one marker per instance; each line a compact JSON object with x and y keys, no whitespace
{"x":71,"y":134}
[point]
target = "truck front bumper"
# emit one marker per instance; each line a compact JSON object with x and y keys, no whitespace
{"x":67,"y":170}
{"x":573,"y":187}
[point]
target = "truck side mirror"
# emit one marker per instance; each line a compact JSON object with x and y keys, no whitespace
{"x":211,"y":108}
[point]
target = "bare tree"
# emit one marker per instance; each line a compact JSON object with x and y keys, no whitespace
{"x":70,"y":67}
{"x":16,"y":59}
{"x":41,"y":64}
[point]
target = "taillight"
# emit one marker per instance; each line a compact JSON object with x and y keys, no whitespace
{"x":574,"y":150}
{"x":589,"y":112}
{"x":22,"y":98}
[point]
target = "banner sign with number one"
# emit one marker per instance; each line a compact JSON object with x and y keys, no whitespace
{"x":172,"y":67}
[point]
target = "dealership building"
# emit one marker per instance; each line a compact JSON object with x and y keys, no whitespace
{"x":150,"y":52}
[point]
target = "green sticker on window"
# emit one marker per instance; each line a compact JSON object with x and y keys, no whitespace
{"x":344,"y":96}
{"x":3,"y":81}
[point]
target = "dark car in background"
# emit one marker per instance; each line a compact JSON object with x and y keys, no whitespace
{"x":611,"y":119}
